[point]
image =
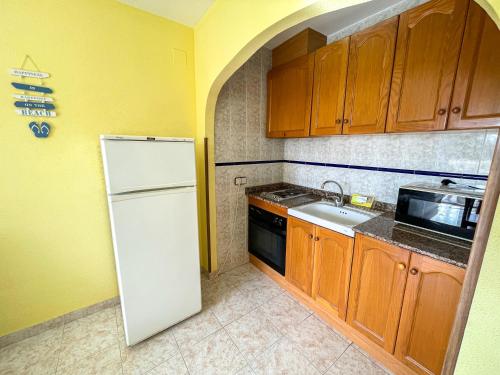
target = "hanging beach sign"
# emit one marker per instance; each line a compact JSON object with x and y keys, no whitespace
{"x":33,"y":98}
{"x":28,"y":73}
{"x":35,"y":113}
{"x":23,"y":86}
{"x":34,"y":105}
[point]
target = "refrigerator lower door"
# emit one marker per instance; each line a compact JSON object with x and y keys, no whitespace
{"x":155,"y":238}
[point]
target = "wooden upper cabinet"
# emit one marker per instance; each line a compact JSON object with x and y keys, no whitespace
{"x":427,"y":49}
{"x":378,"y":282}
{"x":476,"y":96}
{"x":299,"y":254}
{"x":371,"y":56}
{"x":431,"y":299}
{"x":330,"y":72}
{"x":332,"y":270}
{"x":289,"y":91}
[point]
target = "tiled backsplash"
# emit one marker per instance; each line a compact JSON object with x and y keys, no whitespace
{"x":240,"y":135}
{"x":465,"y":152}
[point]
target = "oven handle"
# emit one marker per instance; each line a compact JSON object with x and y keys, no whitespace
{"x":276,"y":230}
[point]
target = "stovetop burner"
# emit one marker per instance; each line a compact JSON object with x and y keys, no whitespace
{"x":281,"y":195}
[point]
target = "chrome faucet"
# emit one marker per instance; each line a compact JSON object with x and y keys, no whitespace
{"x":338,"y":202}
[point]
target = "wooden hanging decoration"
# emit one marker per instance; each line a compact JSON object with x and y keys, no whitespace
{"x":33,"y":101}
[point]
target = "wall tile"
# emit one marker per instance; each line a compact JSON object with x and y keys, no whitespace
{"x":486,"y":151}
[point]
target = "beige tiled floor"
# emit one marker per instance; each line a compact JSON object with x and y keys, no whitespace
{"x":249,"y":325}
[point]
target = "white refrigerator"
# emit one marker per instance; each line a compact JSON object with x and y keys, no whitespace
{"x":151,"y":188}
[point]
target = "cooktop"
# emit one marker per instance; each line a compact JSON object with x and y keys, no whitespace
{"x":281,"y":195}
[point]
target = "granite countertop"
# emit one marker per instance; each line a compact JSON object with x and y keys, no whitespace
{"x":383,"y":227}
{"x":438,"y":246}
{"x":313,"y":196}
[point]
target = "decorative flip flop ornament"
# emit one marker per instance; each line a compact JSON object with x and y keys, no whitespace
{"x":40,"y":131}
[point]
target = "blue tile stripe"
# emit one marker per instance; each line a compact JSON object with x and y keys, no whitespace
{"x":466,"y":176}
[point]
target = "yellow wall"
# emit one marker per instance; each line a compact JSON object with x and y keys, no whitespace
{"x":480,"y":353}
{"x":112,"y":71}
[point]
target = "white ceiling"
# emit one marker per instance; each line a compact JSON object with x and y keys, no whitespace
{"x":187,"y":12}
{"x":330,"y":23}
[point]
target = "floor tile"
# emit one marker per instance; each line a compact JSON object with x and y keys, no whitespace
{"x":249,"y":325}
{"x":353,"y":362}
{"x":261,"y":289}
{"x":106,"y":362}
{"x":284,"y":312}
{"x":146,"y":355}
{"x":104,"y":320}
{"x":35,"y":355}
{"x":245,"y":371}
{"x":216,"y":354}
{"x":174,"y":366}
{"x":354,"y":346}
{"x":299,"y":302}
{"x":253,"y":333}
{"x":196,"y":328}
{"x":283,"y":358}
{"x":78,"y":346}
{"x":242,"y":274}
{"x":319,"y":343}
{"x":232,"y":306}
{"x":215,"y":291}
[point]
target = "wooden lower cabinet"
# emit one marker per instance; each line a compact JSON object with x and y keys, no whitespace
{"x":378,"y":281}
{"x":318,"y":262}
{"x":299,"y":254}
{"x":431,"y":299}
{"x":403,"y":302}
{"x":332,"y":270}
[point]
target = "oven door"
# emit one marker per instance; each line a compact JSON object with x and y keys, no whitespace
{"x":267,"y":238}
{"x":446,"y":213}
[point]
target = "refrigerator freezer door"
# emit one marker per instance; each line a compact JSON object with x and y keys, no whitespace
{"x":155,"y":239}
{"x":145,"y":165}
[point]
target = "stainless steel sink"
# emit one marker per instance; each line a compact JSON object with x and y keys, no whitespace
{"x":327,"y":215}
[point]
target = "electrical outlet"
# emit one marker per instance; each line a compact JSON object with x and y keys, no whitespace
{"x":240,"y":181}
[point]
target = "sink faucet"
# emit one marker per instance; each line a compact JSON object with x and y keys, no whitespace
{"x":338,"y":202}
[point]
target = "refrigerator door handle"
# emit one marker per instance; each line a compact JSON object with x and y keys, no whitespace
{"x":150,"y":193}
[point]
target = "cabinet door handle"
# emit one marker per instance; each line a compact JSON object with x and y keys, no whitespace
{"x":310,"y":236}
{"x":413,"y":271}
{"x":442,"y":111}
{"x":316,"y":239}
{"x":456,"y":110}
{"x":402,"y":266}
{"x":346,"y":121}
{"x":338,"y":121}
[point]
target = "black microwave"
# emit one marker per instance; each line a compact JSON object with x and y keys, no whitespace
{"x":449,"y":210}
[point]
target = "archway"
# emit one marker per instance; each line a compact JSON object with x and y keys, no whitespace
{"x":243,"y":46}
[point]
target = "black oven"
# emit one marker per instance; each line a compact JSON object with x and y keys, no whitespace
{"x":267,"y":237}
{"x":450,"y":211}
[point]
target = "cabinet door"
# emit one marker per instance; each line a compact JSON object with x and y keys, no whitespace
{"x":332,"y":270}
{"x":289,"y":89}
{"x":427,"y":49}
{"x":431,"y":299}
{"x":378,"y":281}
{"x":476,"y":96}
{"x":371,"y":55}
{"x":299,"y":254}
{"x":330,"y":72}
